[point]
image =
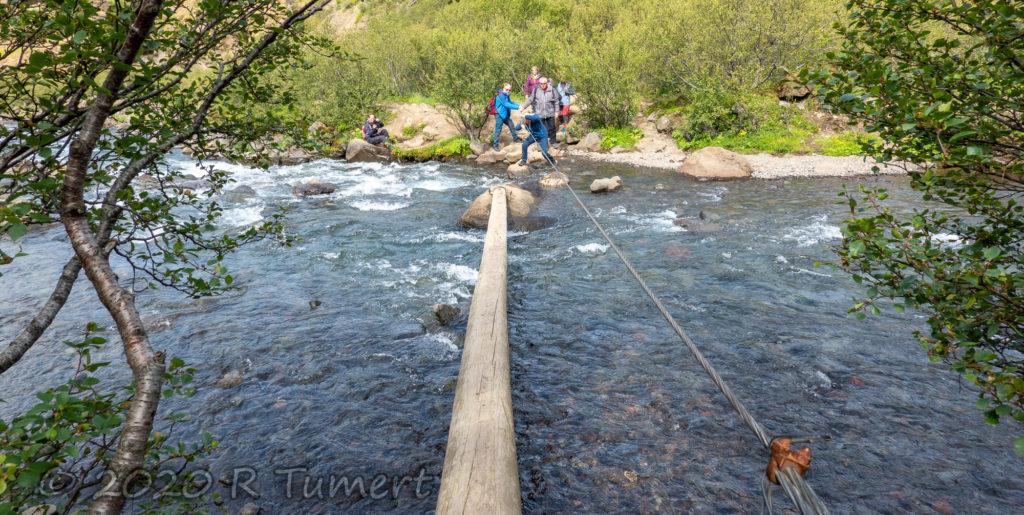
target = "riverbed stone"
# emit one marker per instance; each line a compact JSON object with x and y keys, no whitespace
{"x":478,"y":148}
{"x":239,"y":194}
{"x":517,"y":171}
{"x":618,"y":150}
{"x":664,"y":124}
{"x":716,"y":163}
{"x":591,"y":142}
{"x":603,"y":185}
{"x":520,"y":202}
{"x":313,"y":187}
{"x":359,"y":151}
{"x":230,"y":379}
{"x":445,"y":313}
{"x":490,"y":157}
{"x":553,"y":180}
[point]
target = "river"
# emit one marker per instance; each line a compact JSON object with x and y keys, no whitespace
{"x":347,"y":377}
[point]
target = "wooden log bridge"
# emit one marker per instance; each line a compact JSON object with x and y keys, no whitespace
{"x":481,"y":474}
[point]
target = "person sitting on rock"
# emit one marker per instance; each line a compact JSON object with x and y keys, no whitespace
{"x":539,"y":134}
{"x":503,"y":105}
{"x":374,"y":132}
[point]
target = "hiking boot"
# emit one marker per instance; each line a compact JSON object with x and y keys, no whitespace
{"x":521,"y":163}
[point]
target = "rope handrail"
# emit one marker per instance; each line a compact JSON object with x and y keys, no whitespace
{"x":791,"y":480}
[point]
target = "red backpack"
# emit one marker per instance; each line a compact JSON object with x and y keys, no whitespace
{"x":490,"y":106}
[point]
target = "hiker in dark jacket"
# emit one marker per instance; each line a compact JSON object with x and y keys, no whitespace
{"x":374,"y":132}
{"x":544,"y":101}
{"x":538,"y":133}
{"x":503,"y":105}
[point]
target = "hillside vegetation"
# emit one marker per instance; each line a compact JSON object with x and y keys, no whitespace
{"x":710,"y":64}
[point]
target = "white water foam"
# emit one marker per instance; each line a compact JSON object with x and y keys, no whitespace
{"x":242,"y":216}
{"x":592,"y":248}
{"x":459,"y":272}
{"x":370,"y":205}
{"x":818,"y":232}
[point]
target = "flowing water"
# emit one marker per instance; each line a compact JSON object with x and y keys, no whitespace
{"x":612,"y":413}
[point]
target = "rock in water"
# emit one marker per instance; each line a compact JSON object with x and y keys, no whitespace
{"x":239,"y":194}
{"x":230,"y":380}
{"x":610,"y":184}
{"x":517,"y":171}
{"x":716,"y":163}
{"x":313,"y":187}
{"x":478,"y":148}
{"x":359,"y":151}
{"x":519,"y":200}
{"x":445,"y":313}
{"x":553,"y":180}
{"x":591,"y":142}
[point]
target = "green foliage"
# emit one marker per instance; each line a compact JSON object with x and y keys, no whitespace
{"x":625,"y":137}
{"x":744,"y":123}
{"x":60,"y":444}
{"x":952,"y":97}
{"x":848,"y":144}
{"x":411,"y":130}
{"x":448,"y":149}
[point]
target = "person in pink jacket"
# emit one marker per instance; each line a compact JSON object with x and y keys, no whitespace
{"x":532,"y":81}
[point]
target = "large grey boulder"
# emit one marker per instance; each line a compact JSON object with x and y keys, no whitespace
{"x":445,"y":313}
{"x":517,"y":171}
{"x":359,"y":151}
{"x":292,"y":156}
{"x":313,"y":187}
{"x":519,"y":203}
{"x":490,"y":157}
{"x":478,"y":148}
{"x":664,"y":124}
{"x":591,"y":142}
{"x":716,"y":163}
{"x":239,"y":194}
{"x":603,"y":185}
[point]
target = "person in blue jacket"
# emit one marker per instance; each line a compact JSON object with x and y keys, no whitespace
{"x":539,"y":134}
{"x":503,"y":104}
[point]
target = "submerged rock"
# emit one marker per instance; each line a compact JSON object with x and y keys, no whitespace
{"x":553,"y":180}
{"x":609,"y":184}
{"x":231,"y":379}
{"x":239,"y":194}
{"x":313,"y":187}
{"x":445,"y":313}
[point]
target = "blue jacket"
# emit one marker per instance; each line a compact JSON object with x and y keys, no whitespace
{"x":502,"y":104}
{"x":537,"y":128}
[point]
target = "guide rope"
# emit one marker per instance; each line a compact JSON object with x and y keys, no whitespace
{"x":783,"y":468}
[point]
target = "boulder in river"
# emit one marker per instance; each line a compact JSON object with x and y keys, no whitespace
{"x":445,"y":313}
{"x":313,"y":187}
{"x":519,"y":201}
{"x":239,"y":194}
{"x":517,"y":171}
{"x":359,"y":151}
{"x":591,"y":142}
{"x":716,"y":163}
{"x":603,"y":185}
{"x":553,"y":180}
{"x":490,"y":157}
{"x":231,"y":379}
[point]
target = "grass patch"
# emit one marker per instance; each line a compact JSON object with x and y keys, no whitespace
{"x":744,"y":123}
{"x":848,"y":144}
{"x":411,"y":130}
{"x":445,"y":150}
{"x":773,"y":140}
{"x":418,"y":98}
{"x":625,"y":137}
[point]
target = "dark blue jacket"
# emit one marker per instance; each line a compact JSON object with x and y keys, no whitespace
{"x":537,"y":128}
{"x":502,"y":104}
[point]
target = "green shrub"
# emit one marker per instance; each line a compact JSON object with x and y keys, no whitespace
{"x":625,"y":137}
{"x":448,"y":149}
{"x":847,"y":144}
{"x":744,"y":123}
{"x":411,"y":130}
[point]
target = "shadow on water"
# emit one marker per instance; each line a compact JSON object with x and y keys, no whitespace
{"x":348,"y":382}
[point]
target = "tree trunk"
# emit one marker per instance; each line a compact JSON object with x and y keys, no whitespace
{"x":31,"y":333}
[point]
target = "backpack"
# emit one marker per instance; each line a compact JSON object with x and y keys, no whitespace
{"x":490,"y":106}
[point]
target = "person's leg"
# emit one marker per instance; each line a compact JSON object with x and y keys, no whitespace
{"x":544,"y":151}
{"x":549,"y":123}
{"x":376,"y":140}
{"x":526,"y":144}
{"x":497,"y":130}
{"x":512,"y":129}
